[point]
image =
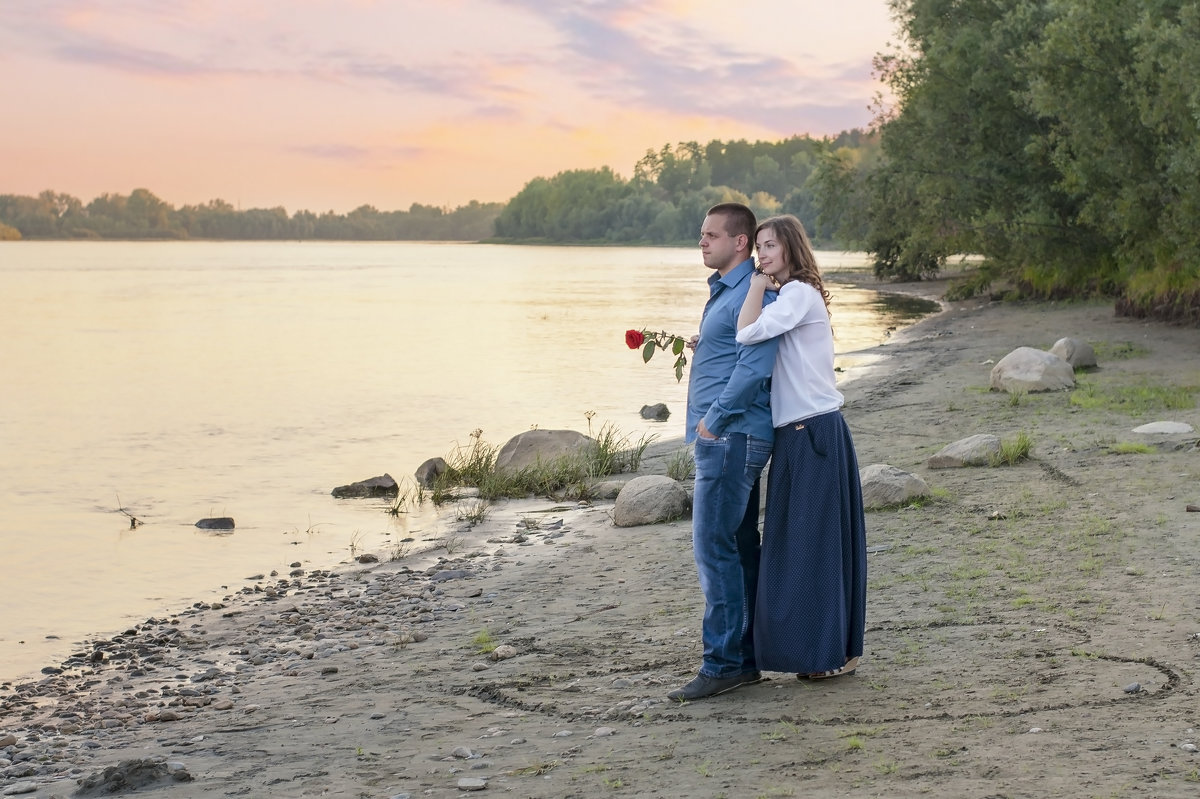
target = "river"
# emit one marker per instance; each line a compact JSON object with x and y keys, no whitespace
{"x":175,"y":381}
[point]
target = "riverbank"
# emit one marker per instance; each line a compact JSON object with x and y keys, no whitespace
{"x":1009,"y":620}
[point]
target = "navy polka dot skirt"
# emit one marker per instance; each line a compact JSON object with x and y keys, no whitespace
{"x":812,"y":587}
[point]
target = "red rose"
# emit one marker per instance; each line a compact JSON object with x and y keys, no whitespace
{"x":634,"y":339}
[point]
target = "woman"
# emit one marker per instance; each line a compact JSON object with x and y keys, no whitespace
{"x":812,"y":589}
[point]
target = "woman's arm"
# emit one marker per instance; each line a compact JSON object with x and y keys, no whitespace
{"x":752,"y":306}
{"x":797,"y":301}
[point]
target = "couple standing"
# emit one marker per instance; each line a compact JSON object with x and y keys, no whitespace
{"x":762,"y":378}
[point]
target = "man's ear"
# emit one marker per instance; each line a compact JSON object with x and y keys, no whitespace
{"x":743,"y":241}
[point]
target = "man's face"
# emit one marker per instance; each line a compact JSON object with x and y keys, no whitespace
{"x":718,"y":249}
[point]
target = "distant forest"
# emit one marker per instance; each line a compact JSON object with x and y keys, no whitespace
{"x":142,"y":215}
{"x":663,"y":203}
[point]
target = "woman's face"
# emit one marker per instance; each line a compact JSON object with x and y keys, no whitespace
{"x":772,"y":260}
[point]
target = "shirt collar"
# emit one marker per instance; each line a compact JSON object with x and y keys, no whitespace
{"x":733,"y":276}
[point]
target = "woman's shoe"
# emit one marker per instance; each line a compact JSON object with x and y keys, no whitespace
{"x":849,"y":668}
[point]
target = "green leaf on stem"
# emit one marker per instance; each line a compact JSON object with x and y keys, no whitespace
{"x":677,"y":346}
{"x":648,"y":350}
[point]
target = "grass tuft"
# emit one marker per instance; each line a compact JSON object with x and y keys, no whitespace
{"x":681,"y":465}
{"x":1013,"y":451}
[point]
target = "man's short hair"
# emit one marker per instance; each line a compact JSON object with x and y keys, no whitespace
{"x":739,"y":219}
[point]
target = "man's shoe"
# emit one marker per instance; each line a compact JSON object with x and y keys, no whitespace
{"x":703,"y":685}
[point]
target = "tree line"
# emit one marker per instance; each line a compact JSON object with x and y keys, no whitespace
{"x":142,"y":215}
{"x":1059,"y":140}
{"x":662,"y":203}
{"x":671,"y":188}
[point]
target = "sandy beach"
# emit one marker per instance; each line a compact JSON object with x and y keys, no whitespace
{"x":1032,"y":630}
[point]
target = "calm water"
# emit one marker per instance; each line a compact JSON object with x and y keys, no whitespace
{"x":186,"y":380}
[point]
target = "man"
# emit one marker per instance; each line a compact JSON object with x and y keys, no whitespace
{"x":729,"y":420}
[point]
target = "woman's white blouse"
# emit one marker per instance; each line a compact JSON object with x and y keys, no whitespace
{"x":803,"y":383}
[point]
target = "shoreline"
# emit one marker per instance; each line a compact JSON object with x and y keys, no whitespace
{"x":1006,"y":620}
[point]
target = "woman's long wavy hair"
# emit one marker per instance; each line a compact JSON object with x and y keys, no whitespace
{"x":802,"y":264}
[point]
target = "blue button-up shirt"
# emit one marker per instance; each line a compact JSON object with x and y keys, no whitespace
{"x":729,"y":385}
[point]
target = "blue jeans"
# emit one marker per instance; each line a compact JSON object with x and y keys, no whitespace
{"x":725,"y":541}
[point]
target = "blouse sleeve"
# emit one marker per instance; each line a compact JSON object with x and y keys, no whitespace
{"x":779,"y":317}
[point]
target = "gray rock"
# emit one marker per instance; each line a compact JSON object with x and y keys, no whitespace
{"x":1164,"y":428}
{"x":658,"y":412}
{"x":430,"y":470}
{"x":884,"y":485}
{"x":1026,"y":370}
{"x":533,"y":446}
{"x":976,"y":450}
{"x":650,"y":499}
{"x":1075,"y":352}
{"x":216,"y":523}
{"x":472,"y":784}
{"x":381,"y":486}
{"x":129,"y":775}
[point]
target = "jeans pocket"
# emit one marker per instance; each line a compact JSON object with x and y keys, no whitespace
{"x":710,"y":455}
{"x":758,"y":452}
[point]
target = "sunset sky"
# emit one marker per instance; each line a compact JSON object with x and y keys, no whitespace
{"x":331,"y":104}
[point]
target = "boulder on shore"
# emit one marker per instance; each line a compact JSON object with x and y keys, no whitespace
{"x":1026,"y":370}
{"x":539,"y":446}
{"x":650,"y":499}
{"x":976,"y":450}
{"x":884,"y":486}
{"x":1075,"y":352}
{"x":382,"y":486}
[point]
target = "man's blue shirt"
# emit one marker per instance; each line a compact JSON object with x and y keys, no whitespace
{"x":729,"y":385}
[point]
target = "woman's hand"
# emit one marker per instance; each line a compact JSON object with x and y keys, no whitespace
{"x":763,"y":280}
{"x":692,"y":342}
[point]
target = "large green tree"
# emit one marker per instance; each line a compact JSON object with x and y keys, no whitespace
{"x":1058,"y":139}
{"x":1115,"y":82}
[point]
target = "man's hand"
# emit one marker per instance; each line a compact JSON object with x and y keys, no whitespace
{"x":702,"y":431}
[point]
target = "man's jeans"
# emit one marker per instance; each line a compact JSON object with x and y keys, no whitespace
{"x":725,"y":541}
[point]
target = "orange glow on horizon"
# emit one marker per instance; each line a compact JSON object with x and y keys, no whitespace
{"x":324,"y":106}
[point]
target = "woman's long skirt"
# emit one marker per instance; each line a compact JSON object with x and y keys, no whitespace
{"x":812,"y":586}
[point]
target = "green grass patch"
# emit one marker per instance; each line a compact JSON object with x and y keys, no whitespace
{"x":566,"y":477}
{"x":1137,"y":400}
{"x":1118,"y":350}
{"x":1131,"y":448}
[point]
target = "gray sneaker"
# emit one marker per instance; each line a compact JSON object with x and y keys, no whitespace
{"x":702,"y":685}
